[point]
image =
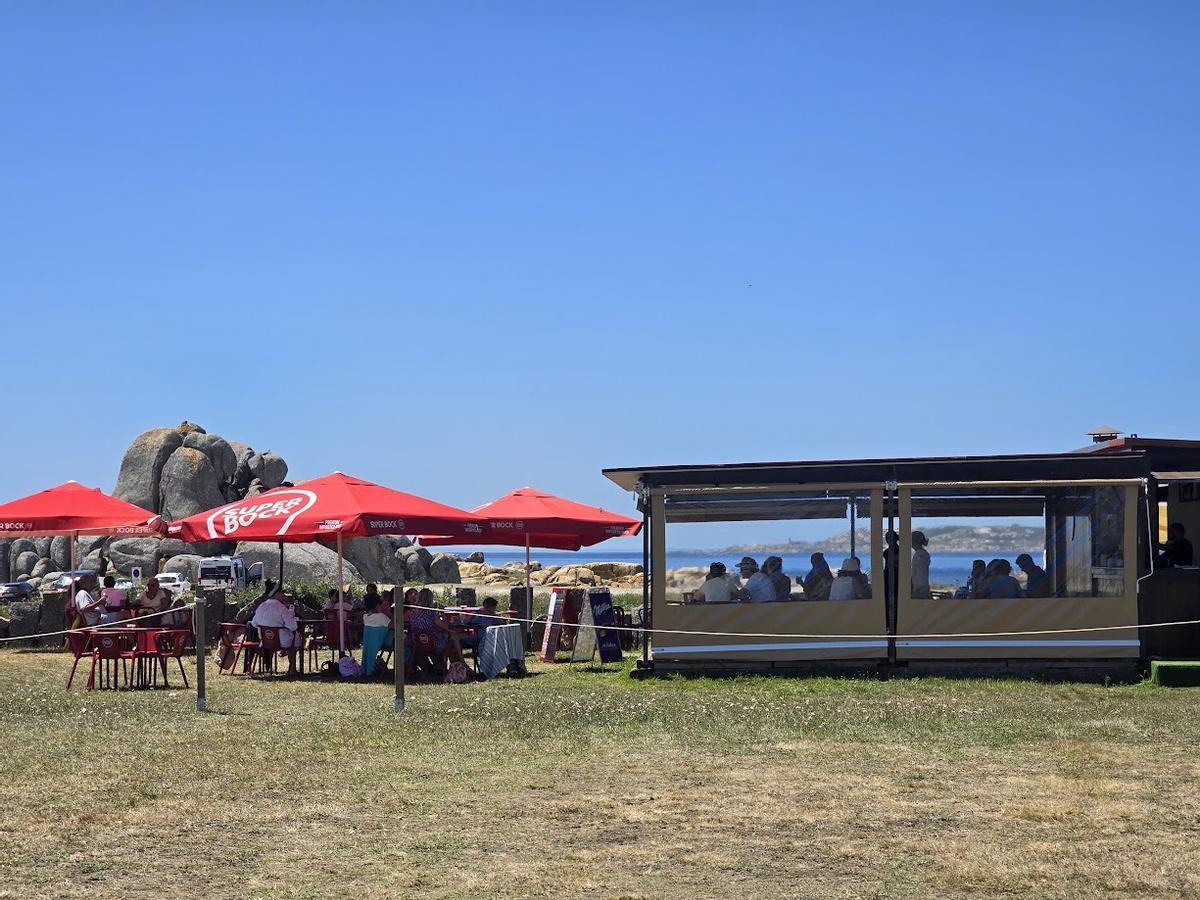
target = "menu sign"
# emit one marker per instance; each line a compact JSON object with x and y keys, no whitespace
{"x":553,"y":631}
{"x":607,"y":640}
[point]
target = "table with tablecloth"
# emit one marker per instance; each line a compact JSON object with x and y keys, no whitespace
{"x":498,"y":646}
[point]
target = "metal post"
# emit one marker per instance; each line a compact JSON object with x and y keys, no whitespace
{"x":853,"y":521}
{"x":201,"y":649}
{"x":398,"y":648}
{"x":645,"y":579}
{"x":280,"y":582}
{"x":71,"y":609}
{"x":341,"y":602}
{"x":527,"y":606}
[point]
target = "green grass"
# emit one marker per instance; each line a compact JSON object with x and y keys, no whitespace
{"x":584,"y":782}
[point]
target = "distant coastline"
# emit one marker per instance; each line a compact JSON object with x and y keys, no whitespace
{"x":981,"y":539}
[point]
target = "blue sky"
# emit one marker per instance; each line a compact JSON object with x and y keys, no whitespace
{"x":459,"y":248}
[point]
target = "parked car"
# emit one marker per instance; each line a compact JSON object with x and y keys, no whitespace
{"x":16,"y":591}
{"x":63,"y":582}
{"x":173,"y":582}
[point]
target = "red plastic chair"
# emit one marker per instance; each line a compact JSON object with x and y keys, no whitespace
{"x":170,"y":645}
{"x":327,"y":638}
{"x":233,"y":634}
{"x":270,"y":645}
{"x":108,"y":649}
{"x":80,"y":645}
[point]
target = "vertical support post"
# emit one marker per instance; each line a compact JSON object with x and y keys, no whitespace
{"x":201,"y":649}
{"x":890,"y":575}
{"x":902,"y":592}
{"x":645,"y":577}
{"x":341,"y":604}
{"x":280,"y":582}
{"x":853,"y":522}
{"x":527,"y":606}
{"x":658,"y":555}
{"x":398,"y":641}
{"x":71,"y":606}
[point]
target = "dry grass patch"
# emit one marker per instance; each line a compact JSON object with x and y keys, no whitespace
{"x":584,"y":783}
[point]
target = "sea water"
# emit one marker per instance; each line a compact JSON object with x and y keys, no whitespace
{"x":944,"y":568}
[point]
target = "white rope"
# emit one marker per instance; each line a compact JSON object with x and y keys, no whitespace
{"x":878,"y":637}
{"x":124,"y":623}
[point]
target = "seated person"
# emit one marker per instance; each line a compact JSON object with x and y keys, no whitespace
{"x":975,"y":579}
{"x":89,"y":607}
{"x":154,"y":598}
{"x":371,"y":594}
{"x":773,"y":569}
{"x":332,"y":601}
{"x":481,"y":621}
{"x":998,"y":582}
{"x":275,"y":613}
{"x":717,"y":588}
{"x":851,"y":583}
{"x":1037,"y":582}
{"x":375,"y":617}
{"x":1177,"y":551}
{"x":819,"y":579}
{"x":759,"y":587}
{"x":115,"y":600}
{"x":427,"y":618}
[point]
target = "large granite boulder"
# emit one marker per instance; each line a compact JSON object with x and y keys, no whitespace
{"x":125,"y":553}
{"x":444,"y":570}
{"x":42,"y":546}
{"x":269,"y":468}
{"x":242,"y":476}
{"x":24,"y":563}
{"x":185,"y":428}
{"x":476,"y":557}
{"x":44,"y":565}
{"x":4,"y":566}
{"x":60,"y":552}
{"x":189,"y":485}
{"x":572,"y":575}
{"x":142,"y":465}
{"x":224,"y":461}
{"x":611,"y":571}
{"x":186,"y":564}
{"x":375,"y":558}
{"x":417,"y":561}
{"x":301,"y":562}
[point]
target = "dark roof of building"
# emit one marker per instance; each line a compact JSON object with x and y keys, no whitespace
{"x":1130,"y":457}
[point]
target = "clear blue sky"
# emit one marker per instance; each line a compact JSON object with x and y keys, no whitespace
{"x":459,"y":248}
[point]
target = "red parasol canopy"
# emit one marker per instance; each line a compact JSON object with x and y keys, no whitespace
{"x":531,"y":517}
{"x":319,"y":509}
{"x":73,"y":508}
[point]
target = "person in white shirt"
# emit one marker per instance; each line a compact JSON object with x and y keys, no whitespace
{"x":275,"y":613}
{"x":920,"y":566}
{"x":89,"y":607}
{"x":717,"y":588}
{"x":332,"y":601}
{"x":759,"y":587}
{"x":851,"y":583}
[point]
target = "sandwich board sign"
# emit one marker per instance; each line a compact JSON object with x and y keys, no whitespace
{"x":593,"y":636}
{"x":553,"y":630}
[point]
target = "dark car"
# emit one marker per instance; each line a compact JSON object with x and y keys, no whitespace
{"x":16,"y":591}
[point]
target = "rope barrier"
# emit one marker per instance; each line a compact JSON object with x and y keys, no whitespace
{"x":113,"y":625}
{"x":878,"y":637}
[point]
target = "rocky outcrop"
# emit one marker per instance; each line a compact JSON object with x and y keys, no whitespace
{"x":24,"y":619}
{"x":476,"y":557}
{"x":269,"y":468}
{"x":5,"y":545}
{"x":60,"y":552}
{"x":44,"y":565}
{"x":52,"y":617}
{"x":142,"y":465}
{"x":302,"y":562}
{"x":189,"y":485}
{"x":220,"y":454}
{"x":444,"y":570}
{"x":24,"y":563}
{"x":375,"y":558}
{"x":125,"y":553}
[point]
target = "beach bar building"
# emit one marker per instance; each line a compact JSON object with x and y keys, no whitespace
{"x":1103,"y":511}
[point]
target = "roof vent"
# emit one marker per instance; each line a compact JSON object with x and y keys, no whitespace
{"x":1104,"y":433}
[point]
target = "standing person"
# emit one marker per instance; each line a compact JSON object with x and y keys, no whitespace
{"x":1177,"y":551}
{"x":920,"y":567}
{"x":275,"y":613}
{"x":88,"y":607}
{"x":716,"y":588}
{"x":891,"y":565}
{"x":819,"y":579}
{"x":1037,"y":582}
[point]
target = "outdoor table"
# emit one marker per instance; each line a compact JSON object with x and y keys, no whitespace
{"x":144,"y":648}
{"x":500,"y":645}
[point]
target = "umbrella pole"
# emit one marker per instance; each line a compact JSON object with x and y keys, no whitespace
{"x":527,"y":612}
{"x":280,"y":582}
{"x":398,"y":642}
{"x":71,"y":614}
{"x":341,"y":604}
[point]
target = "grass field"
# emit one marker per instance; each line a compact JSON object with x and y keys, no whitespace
{"x":589,"y":784}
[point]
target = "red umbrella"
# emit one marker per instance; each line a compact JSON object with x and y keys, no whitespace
{"x":74,"y":509}
{"x":336,"y":506}
{"x":529,"y":518}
